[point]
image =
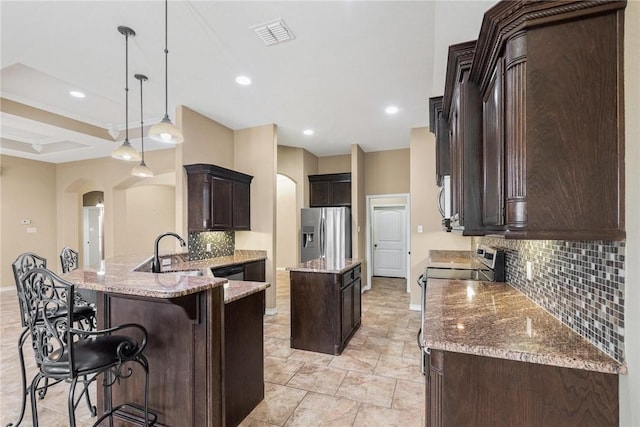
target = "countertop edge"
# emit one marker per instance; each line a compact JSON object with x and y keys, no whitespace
{"x":314,"y":267}
{"x":250,"y":289}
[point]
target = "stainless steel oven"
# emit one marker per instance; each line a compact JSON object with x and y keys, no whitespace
{"x":486,"y":264}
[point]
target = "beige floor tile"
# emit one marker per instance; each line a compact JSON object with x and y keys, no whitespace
{"x":322,"y":410}
{"x":374,"y":416}
{"x":311,"y":357}
{"x":277,"y":347}
{"x":399,"y":368}
{"x":367,"y":388}
{"x":320,"y":379}
{"x":411,"y":350}
{"x":373,"y":330}
{"x":278,"y":404}
{"x":409,"y":396}
{"x":403,"y":334}
{"x":277,"y":331}
{"x":383,"y":345}
{"x":356,"y":360}
{"x":252,"y":422}
{"x":280,"y":371}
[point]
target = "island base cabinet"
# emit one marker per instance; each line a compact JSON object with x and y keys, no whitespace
{"x":244,"y":357}
{"x":470,"y":390}
{"x":185,"y":353}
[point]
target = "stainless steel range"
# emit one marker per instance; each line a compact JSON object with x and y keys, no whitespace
{"x":486,"y":264}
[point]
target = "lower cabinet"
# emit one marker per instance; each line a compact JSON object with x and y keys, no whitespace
{"x":254,"y":271}
{"x":469,"y":390}
{"x":325,"y":310}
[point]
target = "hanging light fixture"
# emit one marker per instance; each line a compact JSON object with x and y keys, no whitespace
{"x":141,"y":170}
{"x":126,"y":151}
{"x":165,"y":131}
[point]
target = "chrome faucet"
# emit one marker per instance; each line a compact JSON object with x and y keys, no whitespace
{"x":155,"y":266}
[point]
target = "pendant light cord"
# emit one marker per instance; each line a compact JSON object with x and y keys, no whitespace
{"x":141,"y":122}
{"x":126,"y":86}
{"x":166,"y":59}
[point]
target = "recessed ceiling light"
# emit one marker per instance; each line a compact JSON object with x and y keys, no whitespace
{"x":243,"y":80}
{"x":77,"y":94}
{"x":308,"y":131}
{"x":392,"y":109}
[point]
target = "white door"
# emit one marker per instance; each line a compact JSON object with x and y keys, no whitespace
{"x":389,"y":241}
{"x":92,"y":236}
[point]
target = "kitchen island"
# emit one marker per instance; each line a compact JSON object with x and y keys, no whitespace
{"x":185,"y":317}
{"x":325,"y":304}
{"x":497,"y":358}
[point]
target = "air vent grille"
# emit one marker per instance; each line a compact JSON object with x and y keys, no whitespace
{"x":273,"y":32}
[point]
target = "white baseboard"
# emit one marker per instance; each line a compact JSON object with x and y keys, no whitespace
{"x":271,"y":311}
{"x":7,"y":288}
{"x":281,"y":268}
{"x":415,"y":307}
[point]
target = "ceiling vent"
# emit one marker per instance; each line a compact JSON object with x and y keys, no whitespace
{"x":273,"y":32}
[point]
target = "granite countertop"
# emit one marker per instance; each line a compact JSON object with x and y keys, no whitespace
{"x":118,"y":276}
{"x":461,"y":260}
{"x":496,"y":320}
{"x":237,"y":289}
{"x":326,"y":265}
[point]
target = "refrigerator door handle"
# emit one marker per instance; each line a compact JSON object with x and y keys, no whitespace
{"x":322,"y":237}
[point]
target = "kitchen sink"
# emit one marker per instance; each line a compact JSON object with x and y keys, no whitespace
{"x":195,"y":272}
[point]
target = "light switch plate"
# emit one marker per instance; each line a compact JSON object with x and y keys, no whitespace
{"x":166,"y":261}
{"x":529,"y":270}
{"x":419,"y":229}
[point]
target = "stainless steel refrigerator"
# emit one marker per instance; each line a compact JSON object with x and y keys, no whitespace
{"x":325,"y":233}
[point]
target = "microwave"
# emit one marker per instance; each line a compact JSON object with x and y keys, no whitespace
{"x":444,"y":202}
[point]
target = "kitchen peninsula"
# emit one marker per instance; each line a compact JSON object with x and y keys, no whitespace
{"x":325,"y":304}
{"x":497,"y":358}
{"x":188,"y":314}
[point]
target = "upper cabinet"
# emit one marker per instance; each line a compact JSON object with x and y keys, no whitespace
{"x":550,"y":78}
{"x":219,"y":198}
{"x":440,"y":128}
{"x":462,"y":106}
{"x":330,"y":190}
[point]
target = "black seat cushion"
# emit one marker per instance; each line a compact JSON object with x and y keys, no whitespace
{"x":91,"y":354}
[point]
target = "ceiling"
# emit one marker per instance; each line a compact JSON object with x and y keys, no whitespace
{"x":348,"y":61}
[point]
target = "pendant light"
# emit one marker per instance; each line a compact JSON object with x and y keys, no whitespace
{"x":165,"y":131}
{"x":126,"y":151}
{"x":141,"y":170}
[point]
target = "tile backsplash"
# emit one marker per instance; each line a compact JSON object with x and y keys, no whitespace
{"x":580,"y":283}
{"x":222,"y":244}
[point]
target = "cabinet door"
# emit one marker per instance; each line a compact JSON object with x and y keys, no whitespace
{"x":357,"y":302}
{"x":340,"y":193}
{"x":319,"y":196}
{"x":493,"y":149}
{"x":254,"y":271}
{"x":433,"y":405}
{"x":241,"y":206}
{"x":221,"y":204}
{"x":199,"y":201}
{"x":443,"y":152}
{"x":346,"y":312}
{"x":456,"y":161}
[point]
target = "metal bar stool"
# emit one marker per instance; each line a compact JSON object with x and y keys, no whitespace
{"x":69,"y":262}
{"x":66,"y":353}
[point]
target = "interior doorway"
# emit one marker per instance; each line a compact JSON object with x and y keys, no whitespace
{"x":389,"y":241}
{"x":387,"y":248}
{"x":93,"y":229}
{"x":287,"y":217}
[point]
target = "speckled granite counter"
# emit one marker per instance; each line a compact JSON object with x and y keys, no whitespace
{"x":237,"y":289}
{"x":326,"y":265}
{"x":461,"y":260}
{"x":495,"y":320}
{"x":118,"y":277}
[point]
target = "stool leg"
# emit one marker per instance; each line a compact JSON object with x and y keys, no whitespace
{"x":92,"y":408}
{"x":72,"y":406}
{"x":32,"y":394}
{"x":23,"y":373}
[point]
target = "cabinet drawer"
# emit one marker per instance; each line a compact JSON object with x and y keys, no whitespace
{"x":350,"y":276}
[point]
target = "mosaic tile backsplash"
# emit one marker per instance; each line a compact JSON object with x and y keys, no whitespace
{"x":222,"y":244}
{"x":580,"y":283}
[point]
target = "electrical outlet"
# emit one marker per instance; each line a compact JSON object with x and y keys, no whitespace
{"x":166,"y":261}
{"x":419,"y":229}
{"x":529,"y":270}
{"x":208,"y":247}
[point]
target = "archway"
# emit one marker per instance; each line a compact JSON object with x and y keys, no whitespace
{"x":287,"y":252}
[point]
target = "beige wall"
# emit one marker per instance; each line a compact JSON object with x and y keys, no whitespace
{"x":424,"y":210}
{"x":27,"y":191}
{"x":287,"y":230}
{"x":358,"y":209}
{"x":309,"y":167}
{"x":150,"y":212}
{"x":630,"y":384}
{"x":335,"y":164}
{"x":256,"y":154}
{"x":387,"y":172}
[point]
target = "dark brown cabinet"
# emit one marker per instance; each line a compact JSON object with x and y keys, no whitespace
{"x":463,"y":105}
{"x":330,"y":190}
{"x":439,"y":126}
{"x":551,"y":76}
{"x":219,"y":198}
{"x":254,"y":271}
{"x":470,"y":390}
{"x":325,"y":309}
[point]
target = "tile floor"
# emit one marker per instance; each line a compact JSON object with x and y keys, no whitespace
{"x":376,"y":381}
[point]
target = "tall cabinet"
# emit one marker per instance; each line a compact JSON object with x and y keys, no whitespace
{"x":550,"y":74}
